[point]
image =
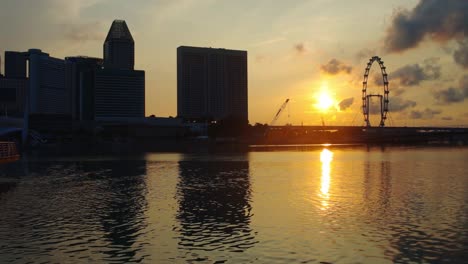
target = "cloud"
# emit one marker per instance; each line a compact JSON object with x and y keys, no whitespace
{"x":365,"y":53}
{"x":461,"y":54}
{"x":464,"y":84}
{"x":453,"y":95}
{"x":93,"y":31}
{"x":300,"y":48}
{"x":397,"y":91}
{"x":397,"y":104}
{"x":334,"y":66}
{"x":449,"y":95}
{"x":447,"y":118}
{"x":425,"y":114}
{"x":346,"y":103}
{"x":440,"y":20}
{"x":413,"y":74}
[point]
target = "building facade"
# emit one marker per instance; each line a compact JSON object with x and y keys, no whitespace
{"x":119,"y":90}
{"x":15,"y":65}
{"x":12,"y":96}
{"x":119,"y":47}
{"x":78,"y":70}
{"x":212,"y":84}
{"x":110,"y":87}
{"x":47,"y":91}
{"x":118,"y":93}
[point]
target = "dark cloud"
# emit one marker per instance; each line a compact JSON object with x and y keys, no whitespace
{"x":447,"y":118}
{"x":464,"y":84}
{"x":440,"y":20}
{"x":461,"y":54}
{"x":425,"y":114}
{"x":449,"y":95}
{"x":346,"y":103}
{"x":335,"y":66}
{"x":378,"y":78}
{"x":300,"y":48}
{"x":413,"y":74}
{"x":453,"y":95}
{"x":397,"y":104}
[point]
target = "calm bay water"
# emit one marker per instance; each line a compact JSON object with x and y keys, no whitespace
{"x":301,"y":205}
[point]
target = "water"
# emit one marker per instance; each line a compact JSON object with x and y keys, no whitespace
{"x":301,"y":205}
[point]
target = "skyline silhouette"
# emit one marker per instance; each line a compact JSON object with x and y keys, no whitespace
{"x":427,"y":74}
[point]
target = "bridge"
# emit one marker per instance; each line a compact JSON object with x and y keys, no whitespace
{"x":358,"y":134}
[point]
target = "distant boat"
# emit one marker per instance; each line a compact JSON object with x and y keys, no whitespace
{"x":8,"y":152}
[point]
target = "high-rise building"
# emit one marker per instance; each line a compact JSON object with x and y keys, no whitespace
{"x":119,"y":93}
{"x":78,"y":71}
{"x":47,"y":90}
{"x":35,"y":83}
{"x":15,"y":65}
{"x":119,"y":47}
{"x":211,"y":83}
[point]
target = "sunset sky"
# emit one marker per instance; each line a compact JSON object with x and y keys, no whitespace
{"x":311,"y":51}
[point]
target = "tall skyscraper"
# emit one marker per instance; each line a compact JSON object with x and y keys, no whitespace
{"x":81,"y":89}
{"x":211,"y":83}
{"x":47,"y":90}
{"x":119,"y":47}
{"x":45,"y":77}
{"x":118,"y":89}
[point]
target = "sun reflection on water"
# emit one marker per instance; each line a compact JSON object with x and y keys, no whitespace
{"x":326,"y":157}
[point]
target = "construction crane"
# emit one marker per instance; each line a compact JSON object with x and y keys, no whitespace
{"x":272,"y":123}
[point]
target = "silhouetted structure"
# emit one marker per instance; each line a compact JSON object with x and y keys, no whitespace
{"x":14,"y":85}
{"x":119,"y":93}
{"x":47,"y":92}
{"x":80,"y":87}
{"x":119,"y":90}
{"x":12,"y":96}
{"x":108,"y":88}
{"x":211,"y":83}
{"x":119,"y":47}
{"x":383,"y":98}
{"x":34,"y":82}
{"x":15,"y":65}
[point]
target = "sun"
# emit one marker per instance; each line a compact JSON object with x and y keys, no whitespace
{"x":324,"y":101}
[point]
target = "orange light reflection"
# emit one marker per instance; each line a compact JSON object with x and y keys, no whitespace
{"x":326,"y":157}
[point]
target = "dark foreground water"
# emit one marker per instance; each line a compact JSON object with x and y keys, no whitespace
{"x":304,"y":205}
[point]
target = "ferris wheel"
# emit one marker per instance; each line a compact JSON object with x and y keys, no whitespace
{"x":383,"y":98}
